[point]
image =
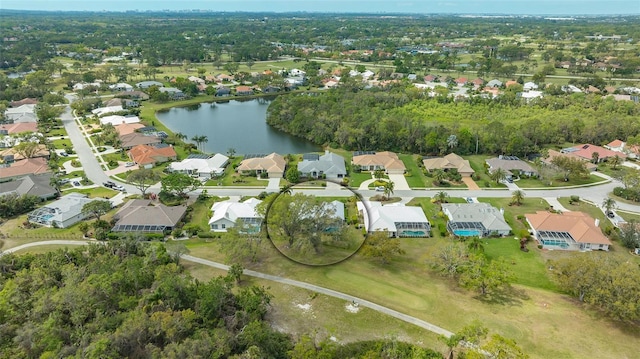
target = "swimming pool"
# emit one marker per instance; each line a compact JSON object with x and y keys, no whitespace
{"x":466,"y":232}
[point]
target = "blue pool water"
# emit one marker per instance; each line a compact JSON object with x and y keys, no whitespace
{"x":466,"y":232}
{"x":413,"y":234}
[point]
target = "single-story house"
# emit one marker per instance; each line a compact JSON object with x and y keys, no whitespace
{"x":135,"y":95}
{"x":227,"y":213}
{"x":494,"y":83}
{"x":86,"y":85}
{"x":223,"y":91}
{"x":475,"y":219}
{"x":511,"y":164}
{"x":23,"y":113}
{"x":244,"y":90}
{"x":142,"y":215}
{"x":371,"y":161}
{"x":586,"y":152}
{"x":24,"y":167}
{"x":41,"y":151}
{"x":148,"y":156}
{"x":329,"y":165}
{"x":567,"y":230}
{"x":119,"y":120}
{"x":551,"y":154}
{"x":34,"y":185}
{"x":24,"y":101}
{"x":133,"y":139}
{"x":64,"y":212}
{"x":449,"y":162}
{"x":173,"y":92}
{"x":202,"y":167}
{"x":101,"y":111}
{"x":147,"y":84}
{"x":615,"y":145}
{"x":196,"y":80}
{"x":121,"y":86}
{"x":19,"y":127}
{"x":530,"y":86}
{"x":396,"y":219}
{"x":274,"y":165}
{"x":127,"y":128}
{"x":511,"y":83}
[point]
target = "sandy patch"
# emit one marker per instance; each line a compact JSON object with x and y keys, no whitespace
{"x":304,"y":307}
{"x":351,"y":308}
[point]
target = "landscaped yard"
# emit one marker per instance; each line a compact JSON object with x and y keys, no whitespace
{"x":62,"y":144}
{"x":477,"y":162}
{"x":511,"y":212}
{"x":558,"y":182}
{"x":356,"y":178}
{"x":414,"y":174}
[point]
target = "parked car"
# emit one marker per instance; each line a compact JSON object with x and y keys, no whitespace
{"x":76,"y":183}
{"x":64,"y":154}
{"x":380,"y":188}
{"x":129,"y":164}
{"x":469,"y":200}
{"x":611,"y":214}
{"x":109,"y":184}
{"x":119,"y":188}
{"x":64,"y":181}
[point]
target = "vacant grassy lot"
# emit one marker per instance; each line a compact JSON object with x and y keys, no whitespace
{"x":535,"y":318}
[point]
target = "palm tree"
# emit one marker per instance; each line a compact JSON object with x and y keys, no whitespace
{"x":608,"y":204}
{"x":615,"y":161}
{"x":439,"y":176}
{"x":286,"y":189}
{"x":475,"y":244}
{"x":595,"y":157}
{"x":203,"y":139}
{"x":231,"y":152}
{"x":441,"y":197}
{"x":517,"y":197}
{"x":198,"y":140}
{"x":499,"y":175}
{"x":180,"y":136}
{"x":388,"y":189}
{"x":452,"y":141}
{"x":378,"y":174}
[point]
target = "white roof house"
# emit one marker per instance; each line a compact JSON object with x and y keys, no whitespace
{"x":121,"y":86}
{"x":147,"y":84}
{"x":23,"y":113}
{"x":101,"y":111}
{"x":396,"y":219}
{"x":227,"y":213}
{"x":202,"y":167}
{"x":297,"y":72}
{"x":64,"y":212}
{"x":530,"y":86}
{"x":84,"y":85}
{"x":119,"y":120}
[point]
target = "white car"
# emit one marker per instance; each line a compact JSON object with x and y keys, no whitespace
{"x":380,"y":189}
{"x":129,"y":164}
{"x":119,"y":188}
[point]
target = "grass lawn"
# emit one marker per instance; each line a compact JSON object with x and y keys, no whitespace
{"x":62,"y":144}
{"x":202,"y":211}
{"x":356,"y":178}
{"x":414,"y":174}
{"x":558,"y":182}
{"x":97,"y":192}
{"x":534,"y":319}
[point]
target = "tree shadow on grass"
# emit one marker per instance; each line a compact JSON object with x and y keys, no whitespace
{"x":508,"y":296}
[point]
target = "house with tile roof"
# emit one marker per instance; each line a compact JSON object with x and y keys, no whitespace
{"x":227,"y":214}
{"x":273,"y":165}
{"x":148,"y":156}
{"x":475,"y":219}
{"x":396,"y":219}
{"x":128,"y":128}
{"x":24,"y":167}
{"x":551,"y":154}
{"x":449,"y":162}
{"x":615,"y":145}
{"x":586,"y":152}
{"x":24,"y":101}
{"x":244,"y":90}
{"x":13,"y":128}
{"x":371,"y":161}
{"x":146,"y":216}
{"x":567,"y":230}
{"x":131,"y":140}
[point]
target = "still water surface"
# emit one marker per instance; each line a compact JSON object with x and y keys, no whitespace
{"x":234,"y":124}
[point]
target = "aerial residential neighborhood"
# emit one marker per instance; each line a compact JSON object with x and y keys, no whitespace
{"x":201,"y":183}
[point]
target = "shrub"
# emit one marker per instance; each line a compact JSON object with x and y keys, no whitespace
{"x":153,"y":236}
{"x":573,"y":199}
{"x":192,"y":229}
{"x":207,"y":234}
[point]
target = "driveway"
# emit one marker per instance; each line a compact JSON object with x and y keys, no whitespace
{"x":471,"y":184}
{"x":400,"y":183}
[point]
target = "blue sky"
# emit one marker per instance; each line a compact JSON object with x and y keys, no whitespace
{"x":529,"y":7}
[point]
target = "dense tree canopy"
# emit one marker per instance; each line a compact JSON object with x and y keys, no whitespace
{"x":402,"y":118}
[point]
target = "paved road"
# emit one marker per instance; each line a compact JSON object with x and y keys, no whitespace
{"x":90,"y":164}
{"x":326,"y":291}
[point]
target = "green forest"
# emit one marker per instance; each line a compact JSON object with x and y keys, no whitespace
{"x":128,"y":299}
{"x":403,"y":118}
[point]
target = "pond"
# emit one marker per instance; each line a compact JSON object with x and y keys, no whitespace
{"x":240,"y":125}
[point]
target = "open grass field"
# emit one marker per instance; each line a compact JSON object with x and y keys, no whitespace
{"x":535,"y":318}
